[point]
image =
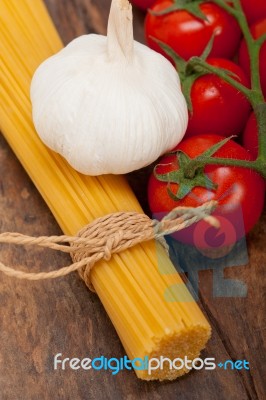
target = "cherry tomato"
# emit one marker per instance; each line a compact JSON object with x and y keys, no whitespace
{"x":143,"y":4}
{"x":189,"y":35}
{"x":250,"y":136}
{"x":217,"y":106}
{"x":257,"y":30}
{"x":240,"y":191}
{"x":254,"y":9}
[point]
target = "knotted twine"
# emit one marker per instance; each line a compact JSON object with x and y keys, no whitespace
{"x":105,"y":236}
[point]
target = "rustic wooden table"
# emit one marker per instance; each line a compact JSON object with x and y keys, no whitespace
{"x":39,"y":320}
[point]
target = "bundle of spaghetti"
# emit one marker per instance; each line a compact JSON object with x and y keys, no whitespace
{"x":152,"y":311}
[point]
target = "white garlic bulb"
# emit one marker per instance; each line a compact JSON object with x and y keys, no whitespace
{"x":109,"y":104}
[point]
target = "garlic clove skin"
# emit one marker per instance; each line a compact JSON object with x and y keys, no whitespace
{"x":107,"y":110}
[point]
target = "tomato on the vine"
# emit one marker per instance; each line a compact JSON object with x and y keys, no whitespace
{"x":250,"y":136}
{"x":217,"y":106}
{"x":240,"y":191}
{"x":257,"y":30}
{"x":188,"y":35}
{"x":143,"y":4}
{"x":254,"y":9}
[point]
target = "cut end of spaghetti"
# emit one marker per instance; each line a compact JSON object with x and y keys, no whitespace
{"x":167,"y":359}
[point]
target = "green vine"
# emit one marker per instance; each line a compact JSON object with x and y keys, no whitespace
{"x":253,"y":94}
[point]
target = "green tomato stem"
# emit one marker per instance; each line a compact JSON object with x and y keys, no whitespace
{"x":261,"y":39}
{"x":254,"y":95}
{"x":193,"y":167}
{"x":253,"y":46}
{"x":231,"y":10}
{"x":260,"y":113}
{"x":200,"y":162}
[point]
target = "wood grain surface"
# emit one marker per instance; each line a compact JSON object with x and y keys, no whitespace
{"x":41,"y":319}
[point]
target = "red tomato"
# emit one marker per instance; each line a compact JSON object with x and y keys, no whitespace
{"x":217,"y":106}
{"x":189,"y":35}
{"x":240,"y":192}
{"x":254,"y":9}
{"x":143,"y":4}
{"x":250,"y":136}
{"x":257,"y":30}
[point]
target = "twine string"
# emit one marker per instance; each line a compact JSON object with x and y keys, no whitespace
{"x":105,"y":236}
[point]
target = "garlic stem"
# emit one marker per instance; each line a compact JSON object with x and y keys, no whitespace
{"x":120,"y":39}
